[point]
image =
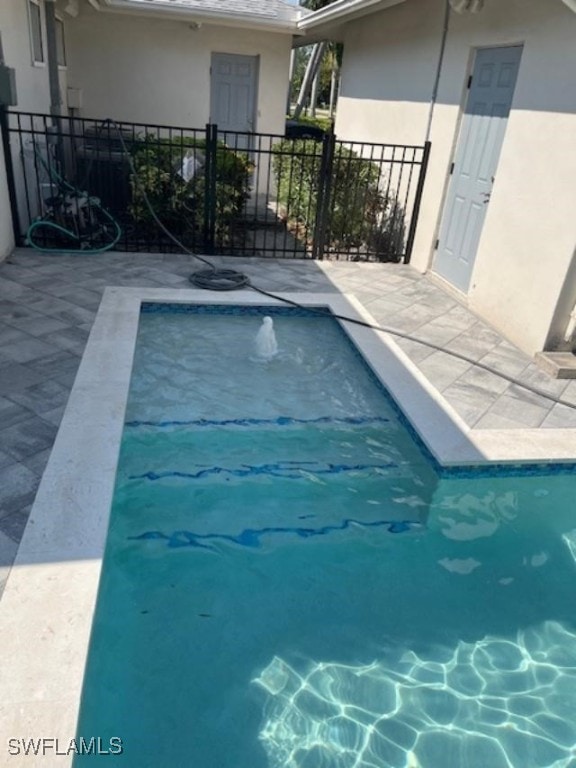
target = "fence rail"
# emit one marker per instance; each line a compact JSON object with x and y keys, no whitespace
{"x":86,"y":184}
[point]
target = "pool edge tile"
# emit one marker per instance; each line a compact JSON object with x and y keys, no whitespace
{"x":57,"y":622}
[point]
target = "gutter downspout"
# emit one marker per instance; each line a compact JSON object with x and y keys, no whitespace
{"x":434,"y":97}
{"x":52,"y":52}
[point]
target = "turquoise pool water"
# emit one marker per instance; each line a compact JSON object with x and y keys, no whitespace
{"x":290,"y":583}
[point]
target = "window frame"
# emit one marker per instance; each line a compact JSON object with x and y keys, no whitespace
{"x":61,"y":42}
{"x":35,"y":16}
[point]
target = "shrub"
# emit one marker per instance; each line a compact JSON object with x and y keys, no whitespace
{"x":178,"y":200}
{"x":361,"y":216}
{"x":387,"y":240}
{"x":356,"y":203}
{"x":325,"y":123}
{"x":296,"y":165}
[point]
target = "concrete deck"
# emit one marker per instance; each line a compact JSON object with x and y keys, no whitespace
{"x":48,"y":304}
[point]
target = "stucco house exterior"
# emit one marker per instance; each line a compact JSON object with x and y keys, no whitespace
{"x":492,"y":84}
{"x":183,"y":62}
{"x":25,"y":52}
{"x":6,"y":234}
{"x":171,"y":62}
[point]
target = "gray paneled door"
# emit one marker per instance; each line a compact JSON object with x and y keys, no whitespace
{"x":475,"y":163}
{"x":233,"y":84}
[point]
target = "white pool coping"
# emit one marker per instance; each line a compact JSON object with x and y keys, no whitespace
{"x":48,"y":603}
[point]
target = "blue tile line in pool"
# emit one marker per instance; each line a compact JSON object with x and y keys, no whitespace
{"x":281,"y":421}
{"x":519,"y":469}
{"x":251,"y":537}
{"x":171,"y":308}
{"x":290,"y":470}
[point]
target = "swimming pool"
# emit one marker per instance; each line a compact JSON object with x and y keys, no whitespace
{"x":47,"y":608}
{"x":291,"y":579}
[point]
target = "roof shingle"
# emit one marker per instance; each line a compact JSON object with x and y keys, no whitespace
{"x":263,"y":9}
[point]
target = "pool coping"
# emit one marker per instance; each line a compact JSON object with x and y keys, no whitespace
{"x":48,"y":603}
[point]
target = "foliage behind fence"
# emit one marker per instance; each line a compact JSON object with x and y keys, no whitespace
{"x":236,"y":193}
{"x":171,"y":173}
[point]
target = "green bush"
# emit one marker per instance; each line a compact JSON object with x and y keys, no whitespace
{"x":387,"y":239}
{"x":296,"y":165}
{"x":325,"y":123}
{"x":356,"y":202}
{"x":360,"y":215}
{"x":180,"y":204}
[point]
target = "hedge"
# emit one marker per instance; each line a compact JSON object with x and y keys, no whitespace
{"x":361,"y":216}
{"x":179,"y":203}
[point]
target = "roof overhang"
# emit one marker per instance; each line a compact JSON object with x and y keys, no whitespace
{"x":340,"y":12}
{"x":171,"y":10}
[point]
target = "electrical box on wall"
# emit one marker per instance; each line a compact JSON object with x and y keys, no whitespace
{"x":74,"y":98}
{"x":8,"y":96}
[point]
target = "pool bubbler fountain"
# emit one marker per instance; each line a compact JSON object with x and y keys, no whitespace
{"x":265,"y":342}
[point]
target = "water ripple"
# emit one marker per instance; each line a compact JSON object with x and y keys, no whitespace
{"x":291,"y":470}
{"x":251,"y":537}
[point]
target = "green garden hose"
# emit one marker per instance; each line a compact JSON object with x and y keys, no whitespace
{"x":62,"y":230}
{"x":45,"y":223}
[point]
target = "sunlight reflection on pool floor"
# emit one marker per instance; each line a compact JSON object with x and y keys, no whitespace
{"x":490,"y":704}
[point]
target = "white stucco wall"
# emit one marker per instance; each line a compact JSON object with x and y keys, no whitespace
{"x":6,"y":235}
{"x":33,"y":94}
{"x":31,"y":79}
{"x":32,"y":89}
{"x":527,"y":247}
{"x":156,"y":70}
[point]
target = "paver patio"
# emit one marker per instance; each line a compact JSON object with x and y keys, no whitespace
{"x":48,"y":304}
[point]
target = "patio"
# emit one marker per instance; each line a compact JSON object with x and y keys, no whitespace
{"x":48,"y":304}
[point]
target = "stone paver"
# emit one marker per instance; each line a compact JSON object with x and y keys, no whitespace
{"x":48,"y":304}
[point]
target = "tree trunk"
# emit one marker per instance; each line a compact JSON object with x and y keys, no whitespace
{"x":290,"y":76}
{"x":314,"y":95}
{"x":334,"y":78}
{"x":311,"y":69}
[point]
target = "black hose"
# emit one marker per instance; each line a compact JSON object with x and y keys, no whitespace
{"x":429,"y":344}
{"x":214,"y":279}
{"x":219,"y":279}
{"x":211,"y":279}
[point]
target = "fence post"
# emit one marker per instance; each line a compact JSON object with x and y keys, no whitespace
{"x":4,"y":129}
{"x":210,"y":187}
{"x":324,"y":194}
{"x":417,"y":201}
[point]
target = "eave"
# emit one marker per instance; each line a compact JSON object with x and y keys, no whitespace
{"x":342,"y":11}
{"x":169,"y":10}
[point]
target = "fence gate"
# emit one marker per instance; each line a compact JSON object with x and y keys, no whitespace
{"x":80,"y":184}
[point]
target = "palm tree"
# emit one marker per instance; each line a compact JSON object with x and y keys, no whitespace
{"x":310,"y":80}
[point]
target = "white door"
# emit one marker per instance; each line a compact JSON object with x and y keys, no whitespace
{"x":476,"y":161}
{"x":233,"y":83}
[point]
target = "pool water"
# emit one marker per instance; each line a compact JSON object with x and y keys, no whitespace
{"x":289,"y":582}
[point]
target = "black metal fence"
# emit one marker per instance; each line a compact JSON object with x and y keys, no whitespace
{"x":88,"y":184}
